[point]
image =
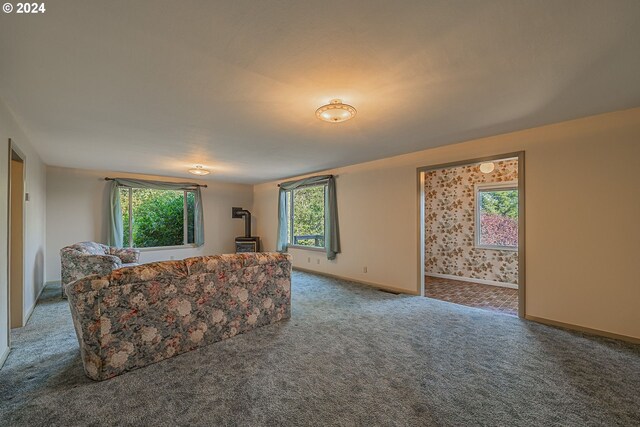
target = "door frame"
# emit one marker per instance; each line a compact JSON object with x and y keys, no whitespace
{"x":420,"y":172}
{"x":13,"y":148}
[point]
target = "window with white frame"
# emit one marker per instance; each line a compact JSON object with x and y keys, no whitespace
{"x":496,"y":216}
{"x":306,"y":212}
{"x":157,"y":218}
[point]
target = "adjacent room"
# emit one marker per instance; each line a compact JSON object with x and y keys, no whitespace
{"x":471,"y":234}
{"x":265,"y":213}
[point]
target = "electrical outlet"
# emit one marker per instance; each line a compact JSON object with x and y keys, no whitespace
{"x":364,"y":269}
{"x":308,"y":259}
{"x":318,"y":261}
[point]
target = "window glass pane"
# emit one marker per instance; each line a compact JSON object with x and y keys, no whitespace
{"x":308,"y":216}
{"x":498,"y":211}
{"x":191,"y":201}
{"x":158,"y":217}
{"x":124,"y":205}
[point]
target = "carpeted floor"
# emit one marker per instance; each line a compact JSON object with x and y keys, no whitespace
{"x":350,"y":356}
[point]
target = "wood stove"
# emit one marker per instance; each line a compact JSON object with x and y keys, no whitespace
{"x":246,"y":243}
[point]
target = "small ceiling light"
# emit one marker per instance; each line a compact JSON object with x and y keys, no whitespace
{"x":336,"y":112}
{"x":198,"y":170}
{"x":487,"y":167}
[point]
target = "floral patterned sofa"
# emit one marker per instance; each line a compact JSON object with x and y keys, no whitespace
{"x":137,"y":316}
{"x":87,"y":258}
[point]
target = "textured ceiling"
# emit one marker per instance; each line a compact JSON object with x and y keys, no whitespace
{"x":156,"y":86}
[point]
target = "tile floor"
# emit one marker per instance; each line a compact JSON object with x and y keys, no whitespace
{"x":495,"y":298}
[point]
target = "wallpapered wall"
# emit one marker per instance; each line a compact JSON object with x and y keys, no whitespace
{"x":450,"y":224}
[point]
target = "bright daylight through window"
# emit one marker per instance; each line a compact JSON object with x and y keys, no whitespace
{"x":156,"y":218}
{"x":305,"y":208}
{"x":497,"y":216}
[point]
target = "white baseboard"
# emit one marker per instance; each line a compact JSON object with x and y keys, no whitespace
{"x":362,"y":282}
{"x":29,"y":312}
{"x":466,"y":279}
{"x":3,"y":356}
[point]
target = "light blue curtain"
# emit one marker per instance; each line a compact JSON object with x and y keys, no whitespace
{"x":115,"y":210}
{"x":331,"y":230}
{"x":115,"y":217}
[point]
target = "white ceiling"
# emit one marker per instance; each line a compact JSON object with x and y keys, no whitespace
{"x":156,"y":86}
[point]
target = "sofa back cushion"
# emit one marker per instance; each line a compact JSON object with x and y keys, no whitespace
{"x":165,"y":271}
{"x":90,"y":248}
{"x":236,"y":300}
{"x":227,"y":262}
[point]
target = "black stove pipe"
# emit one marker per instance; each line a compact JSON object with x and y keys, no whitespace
{"x":243,"y":213}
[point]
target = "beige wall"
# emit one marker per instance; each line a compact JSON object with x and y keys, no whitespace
{"x":77,"y":203}
{"x":34,"y":220}
{"x":582,"y":209}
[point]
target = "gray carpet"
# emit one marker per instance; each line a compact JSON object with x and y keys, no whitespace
{"x":349,"y":356}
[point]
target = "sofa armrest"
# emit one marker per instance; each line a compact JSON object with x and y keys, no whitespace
{"x":76,"y":265}
{"x":126,"y":255}
{"x":84,"y":302}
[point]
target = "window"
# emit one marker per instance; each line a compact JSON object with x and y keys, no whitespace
{"x":497,"y":216}
{"x":157,"y":218}
{"x":305,"y":209}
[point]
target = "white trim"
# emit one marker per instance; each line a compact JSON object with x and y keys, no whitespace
{"x":162,"y":248}
{"x":488,"y":186}
{"x":185,"y":216}
{"x":3,"y":356}
{"x":362,"y":282}
{"x":308,"y":248}
{"x":472,"y":280}
{"x":291,"y":214}
{"x":501,"y":185}
{"x":496,"y":248}
{"x":29,"y":312}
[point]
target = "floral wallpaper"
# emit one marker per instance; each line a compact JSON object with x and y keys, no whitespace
{"x":450,"y":224}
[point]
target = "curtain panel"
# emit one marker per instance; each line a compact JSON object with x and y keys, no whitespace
{"x":115,"y":210}
{"x":331,"y":231}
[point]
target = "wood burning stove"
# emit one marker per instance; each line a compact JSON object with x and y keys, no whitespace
{"x":246,"y":243}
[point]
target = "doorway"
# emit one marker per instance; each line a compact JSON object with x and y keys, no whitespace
{"x":17,"y":169}
{"x":472,"y":233}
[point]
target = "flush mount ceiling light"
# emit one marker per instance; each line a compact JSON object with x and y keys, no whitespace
{"x":336,"y":112}
{"x":199,"y":170}
{"x":487,"y":167}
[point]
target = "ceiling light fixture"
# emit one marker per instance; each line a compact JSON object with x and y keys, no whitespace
{"x":336,"y":112}
{"x":487,"y":167}
{"x":199,"y":170}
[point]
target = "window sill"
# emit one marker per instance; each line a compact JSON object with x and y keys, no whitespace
{"x":309,"y":248}
{"x":163,"y":248}
{"x":497,"y":248}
